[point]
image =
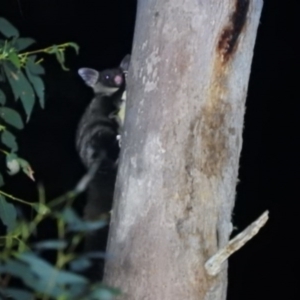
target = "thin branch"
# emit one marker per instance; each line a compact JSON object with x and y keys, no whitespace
{"x":15,"y":198}
{"x":45,"y":50}
{"x":214,"y":265}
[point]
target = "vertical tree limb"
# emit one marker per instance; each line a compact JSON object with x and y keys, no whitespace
{"x":183,"y":136}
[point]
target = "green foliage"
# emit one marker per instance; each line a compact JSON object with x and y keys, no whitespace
{"x":42,"y":278}
{"x":9,"y":140}
{"x":22,"y":71}
{"x":11,"y":117}
{"x":14,"y":63}
{"x":8,"y":214}
{"x":19,"y":258}
{"x":7,"y":29}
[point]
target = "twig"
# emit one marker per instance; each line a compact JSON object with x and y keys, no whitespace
{"x":214,"y":264}
{"x":15,"y":198}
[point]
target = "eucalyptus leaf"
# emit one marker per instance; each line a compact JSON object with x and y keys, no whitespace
{"x":104,"y":293}
{"x":9,"y":140}
{"x":2,"y":97}
{"x":14,"y":58}
{"x":53,"y":49}
{"x":23,"y":43}
{"x":23,"y":271}
{"x":87,"y":225}
{"x":23,"y":163}
{"x":8,"y":214}
{"x":11,"y":75}
{"x":75,"y":46}
{"x":61,"y":55}
{"x":26,"y":168}
{"x":27,"y":96}
{"x":65,"y":277}
{"x":38,"y":86}
{"x":15,"y":268}
{"x":80,"y":264}
{"x":45,"y":287}
{"x":21,"y":87}
{"x":51,"y":244}
{"x":76,"y":291}
{"x":76,"y":224}
{"x":34,"y":68}
{"x":70,"y":216}
{"x":37,"y":265}
{"x":7,"y":29}
{"x":44,"y":270}
{"x":18,"y":294}
{"x":11,"y":117}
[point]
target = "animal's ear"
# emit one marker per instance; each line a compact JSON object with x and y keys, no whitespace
{"x":124,"y":65}
{"x":89,"y":76}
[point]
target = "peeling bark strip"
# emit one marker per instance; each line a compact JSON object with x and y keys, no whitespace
{"x":183,"y":135}
{"x":230,"y":34}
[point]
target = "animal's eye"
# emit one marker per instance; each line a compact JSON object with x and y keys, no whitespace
{"x":107,"y":77}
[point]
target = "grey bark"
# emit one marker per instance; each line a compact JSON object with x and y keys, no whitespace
{"x":175,"y":189}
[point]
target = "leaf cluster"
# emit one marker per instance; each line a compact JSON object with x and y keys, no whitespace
{"x":20,"y":258}
{"x":21,"y":70}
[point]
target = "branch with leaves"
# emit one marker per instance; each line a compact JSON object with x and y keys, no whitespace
{"x":22,"y":70}
{"x":19,"y":258}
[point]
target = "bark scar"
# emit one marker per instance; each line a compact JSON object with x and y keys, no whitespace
{"x":229,"y":37}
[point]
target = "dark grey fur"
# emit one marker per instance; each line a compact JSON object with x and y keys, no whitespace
{"x":97,"y":143}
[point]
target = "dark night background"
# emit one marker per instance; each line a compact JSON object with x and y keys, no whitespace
{"x":266,"y":267}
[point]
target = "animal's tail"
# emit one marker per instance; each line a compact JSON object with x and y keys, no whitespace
{"x":100,"y":194}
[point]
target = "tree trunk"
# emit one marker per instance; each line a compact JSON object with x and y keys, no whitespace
{"x":182,"y":140}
